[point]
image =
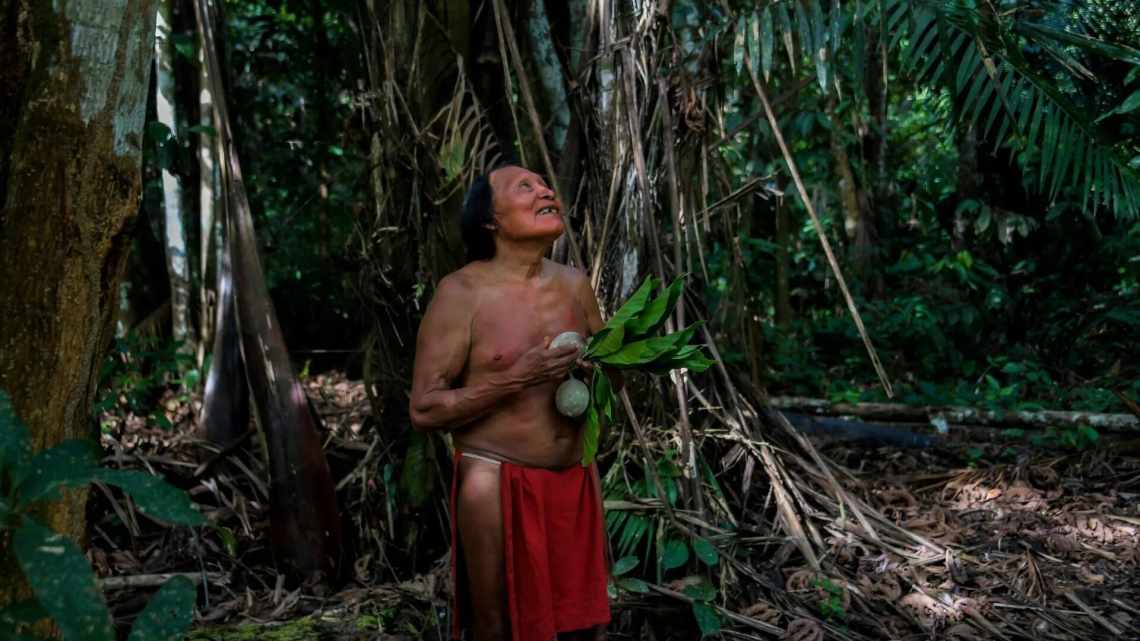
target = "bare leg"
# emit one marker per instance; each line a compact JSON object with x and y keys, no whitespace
{"x":480,"y":522}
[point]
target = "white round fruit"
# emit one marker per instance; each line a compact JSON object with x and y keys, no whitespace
{"x":568,"y":339}
{"x":572,"y":398}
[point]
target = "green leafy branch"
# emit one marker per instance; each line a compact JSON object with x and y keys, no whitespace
{"x":62,"y":582}
{"x":627,"y":342}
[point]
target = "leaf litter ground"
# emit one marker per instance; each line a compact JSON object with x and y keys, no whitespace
{"x":1042,"y":543}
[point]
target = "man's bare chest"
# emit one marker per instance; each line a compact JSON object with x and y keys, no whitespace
{"x":508,"y":323}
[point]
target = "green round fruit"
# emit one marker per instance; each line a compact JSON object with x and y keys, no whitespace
{"x":566,"y":339}
{"x":572,"y":398}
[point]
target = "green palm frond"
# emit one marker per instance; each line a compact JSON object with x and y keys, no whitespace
{"x":981,"y":59}
{"x":980,"y":56}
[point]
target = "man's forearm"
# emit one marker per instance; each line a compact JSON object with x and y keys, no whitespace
{"x":451,"y":408}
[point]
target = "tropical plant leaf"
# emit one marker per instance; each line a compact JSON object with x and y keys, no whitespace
{"x":647,"y":350}
{"x":153,"y":496}
{"x":63,"y":582}
{"x":705,"y":551}
{"x":625,"y":564}
{"x":655,"y":313}
{"x":22,"y":613}
{"x":631,"y":584}
{"x":590,"y":434}
{"x":168,"y":614}
{"x":605,"y":342}
{"x":70,"y":463}
{"x":634,"y":304}
{"x":417,"y":475}
{"x":675,"y":554}
{"x":767,"y":41}
{"x":15,"y":446}
{"x":708,"y":620}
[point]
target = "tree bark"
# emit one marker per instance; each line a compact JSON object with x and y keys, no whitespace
{"x":207,"y":205}
{"x":73,"y":87}
{"x":177,"y":265}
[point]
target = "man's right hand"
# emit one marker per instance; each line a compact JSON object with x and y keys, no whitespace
{"x":540,"y":364}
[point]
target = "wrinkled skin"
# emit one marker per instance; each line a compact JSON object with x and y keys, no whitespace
{"x":483,"y":372}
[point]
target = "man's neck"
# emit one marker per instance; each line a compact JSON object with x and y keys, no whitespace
{"x":519,"y":263}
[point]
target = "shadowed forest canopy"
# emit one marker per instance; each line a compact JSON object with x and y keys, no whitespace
{"x":909,"y":231}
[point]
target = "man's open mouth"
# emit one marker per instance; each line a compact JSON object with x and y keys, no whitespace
{"x":547,"y":211}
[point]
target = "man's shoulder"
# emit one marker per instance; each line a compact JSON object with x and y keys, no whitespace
{"x":458,"y":286}
{"x":572,"y":276}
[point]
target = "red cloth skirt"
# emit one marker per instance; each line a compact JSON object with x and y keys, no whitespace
{"x":554,"y":540}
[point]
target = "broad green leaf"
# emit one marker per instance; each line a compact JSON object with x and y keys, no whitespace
{"x":590,"y":434}
{"x":605,"y":342}
{"x":754,"y":38}
{"x":819,"y":38}
{"x":631,"y":584}
{"x":416,"y":475}
{"x":701,"y":591}
{"x":635,"y":528}
{"x":656,"y":311}
{"x":803,"y":25}
{"x":153,"y":496}
{"x":786,"y":32}
{"x":63,"y":582}
{"x":21,"y":613}
{"x":168,"y":614}
{"x":767,"y":41}
{"x":625,"y":564}
{"x":708,"y":620}
{"x":70,"y":463}
{"x":1130,"y":104}
{"x":675,"y":555}
{"x":635,"y":304}
{"x":601,"y":394}
{"x":647,"y":350}
{"x":705,"y":551}
{"x":15,"y":446}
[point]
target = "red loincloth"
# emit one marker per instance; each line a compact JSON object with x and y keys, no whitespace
{"x":554,"y":540}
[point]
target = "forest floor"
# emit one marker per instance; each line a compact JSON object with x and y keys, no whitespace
{"x":1045,"y":543}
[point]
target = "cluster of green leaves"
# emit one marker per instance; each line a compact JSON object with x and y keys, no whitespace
{"x":60,"y":577}
{"x":627,"y":342}
{"x":137,"y":369}
{"x":642,"y":536}
{"x":831,"y":605}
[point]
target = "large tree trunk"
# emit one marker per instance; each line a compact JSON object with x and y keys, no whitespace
{"x":73,"y":87}
{"x":177,"y":264}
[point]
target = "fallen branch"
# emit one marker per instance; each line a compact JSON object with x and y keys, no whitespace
{"x":155,"y":580}
{"x":960,"y":415}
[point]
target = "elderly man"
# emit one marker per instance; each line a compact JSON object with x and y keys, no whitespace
{"x":528,"y":543}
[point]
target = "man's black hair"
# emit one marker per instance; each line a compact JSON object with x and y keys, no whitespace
{"x":478,"y":212}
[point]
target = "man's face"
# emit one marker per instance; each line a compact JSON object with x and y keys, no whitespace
{"x":525,"y":208}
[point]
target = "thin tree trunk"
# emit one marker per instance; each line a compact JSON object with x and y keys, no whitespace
{"x":177,"y":265}
{"x":73,"y":88}
{"x":207,"y":204}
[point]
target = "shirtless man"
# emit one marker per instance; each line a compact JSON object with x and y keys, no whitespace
{"x":483,"y":371}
